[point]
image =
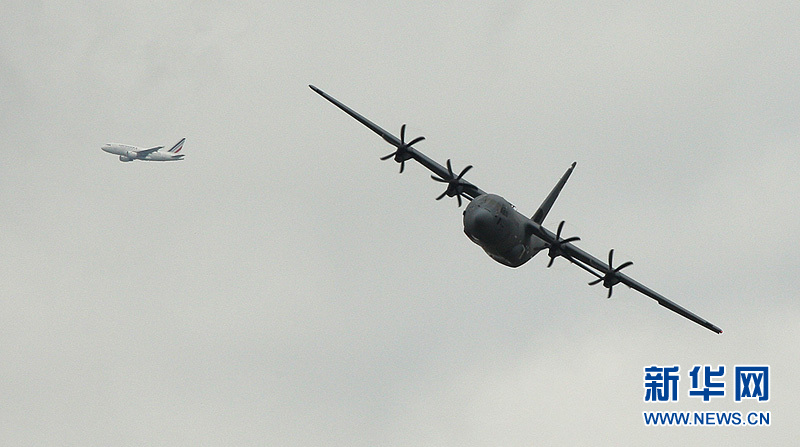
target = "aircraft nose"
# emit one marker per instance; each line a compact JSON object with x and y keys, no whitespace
{"x":480,"y":224}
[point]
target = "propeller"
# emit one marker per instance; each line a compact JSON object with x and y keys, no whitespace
{"x":402,"y":154}
{"x":454,"y":186}
{"x":610,"y":278}
{"x":555,"y":246}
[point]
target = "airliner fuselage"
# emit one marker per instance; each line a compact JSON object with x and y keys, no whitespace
{"x":127,"y":152}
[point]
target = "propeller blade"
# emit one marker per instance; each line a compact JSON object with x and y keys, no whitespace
{"x":611,"y":278}
{"x":401,"y":154}
{"x":454,"y":186}
{"x":415,"y":141}
{"x":555,"y":246}
{"x":464,"y":172}
{"x":623,"y":266}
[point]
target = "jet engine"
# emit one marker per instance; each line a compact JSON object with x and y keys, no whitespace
{"x":125,"y":158}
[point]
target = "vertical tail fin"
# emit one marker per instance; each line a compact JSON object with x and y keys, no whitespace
{"x":177,"y":148}
{"x":544,"y":208}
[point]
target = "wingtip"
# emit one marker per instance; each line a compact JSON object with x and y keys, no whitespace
{"x":573,"y":164}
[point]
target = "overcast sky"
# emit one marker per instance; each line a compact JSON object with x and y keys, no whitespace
{"x":282,"y":286}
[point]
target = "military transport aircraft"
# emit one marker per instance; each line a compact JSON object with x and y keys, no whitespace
{"x":130,"y":153}
{"x":507,"y":236}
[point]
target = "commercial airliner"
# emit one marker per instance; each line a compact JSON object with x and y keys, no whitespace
{"x":505,"y":234}
{"x":130,"y":153}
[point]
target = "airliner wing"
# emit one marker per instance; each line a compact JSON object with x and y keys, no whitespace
{"x":144,"y":152}
{"x":611,"y":276}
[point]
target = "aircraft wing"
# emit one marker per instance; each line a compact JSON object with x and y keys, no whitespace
{"x":589,"y":262}
{"x":143,"y":152}
{"x":467,"y":189}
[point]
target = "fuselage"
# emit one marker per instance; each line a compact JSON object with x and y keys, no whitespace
{"x":129,"y":153}
{"x":492,"y":222}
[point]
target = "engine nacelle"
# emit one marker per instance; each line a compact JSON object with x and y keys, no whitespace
{"x":125,"y":158}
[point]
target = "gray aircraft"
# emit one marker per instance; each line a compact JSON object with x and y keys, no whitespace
{"x":506,"y":235}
